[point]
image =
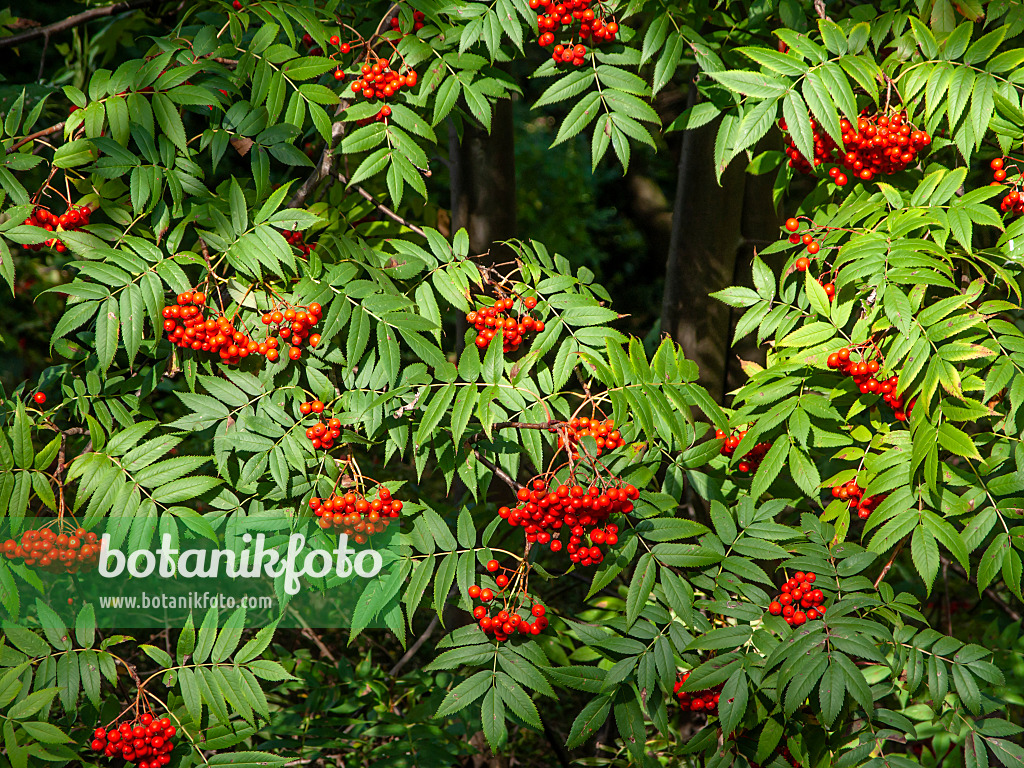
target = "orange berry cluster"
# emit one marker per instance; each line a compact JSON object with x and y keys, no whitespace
{"x":188,"y":328}
{"x":607,"y":437}
{"x":752,"y":459}
{"x":829,"y":288}
{"x":807,"y":238}
{"x":74,"y":218}
{"x":508,"y":620}
{"x":878,"y":144}
{"x":146,"y":741}
{"x":298,"y":240}
{"x":699,"y":701}
{"x":1013,"y":202}
{"x":354,"y":515}
{"x":493,"y":322}
{"x":418,"y":20}
{"x":323,"y":433}
{"x":854,"y":494}
{"x":293,"y":325}
{"x":55,"y":552}
{"x":555,"y":14}
{"x":799,"y":602}
{"x":863,"y":375}
{"x":378,"y":81}
{"x":544,"y":510}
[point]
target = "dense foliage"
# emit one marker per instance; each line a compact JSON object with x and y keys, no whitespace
{"x":261,"y":329}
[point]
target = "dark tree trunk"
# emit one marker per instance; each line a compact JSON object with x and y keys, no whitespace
{"x":483,"y":182}
{"x":706,"y":235}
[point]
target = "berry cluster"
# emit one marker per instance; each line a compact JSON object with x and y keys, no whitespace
{"x":607,"y":437}
{"x":379,"y":81}
{"x":493,"y":322}
{"x":878,"y":144}
{"x":556,"y":14}
{"x":798,"y":593}
{"x":298,"y":240}
{"x":74,"y":218}
{"x":863,"y":376}
{"x":293,"y":325}
{"x":323,"y":433}
{"x":354,"y":515}
{"x":508,"y":620}
{"x":829,"y":288}
{"x":1013,"y":202}
{"x":55,"y":552}
{"x":187,"y":327}
{"x":544,"y":510}
{"x":146,"y":741}
{"x":750,"y":460}
{"x":699,"y":701}
{"x":854,"y":494}
{"x":418,"y":20}
{"x":807,"y":238}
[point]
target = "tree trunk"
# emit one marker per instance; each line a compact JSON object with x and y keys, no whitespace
{"x":483,"y":182}
{"x":706,"y":235}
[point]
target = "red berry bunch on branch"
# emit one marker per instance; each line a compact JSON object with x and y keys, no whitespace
{"x":751,"y":460}
{"x":584,"y":511}
{"x":418,"y":19}
{"x":354,"y":515}
{"x":699,"y":701}
{"x":829,"y":288}
{"x":74,"y":218}
{"x":807,"y":238}
{"x":145,"y":741}
{"x":495,"y":322}
{"x":297,"y":239}
{"x":323,"y":433}
{"x":378,"y":81}
{"x":863,"y":375}
{"x":517,"y":609}
{"x":1013,"y":201}
{"x":854,"y":494}
{"x":294,"y":325}
{"x":187,"y":326}
{"x":66,"y":551}
{"x":558,"y":15}
{"x":879,"y":144}
{"x":799,"y":601}
{"x":607,"y":437}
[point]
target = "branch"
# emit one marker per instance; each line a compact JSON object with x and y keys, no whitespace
{"x":383,"y":208}
{"x":544,"y":425}
{"x":498,"y":472}
{"x":415,"y":646}
{"x":74,"y":21}
{"x":326,"y":164}
{"x":885,"y":570}
{"x":989,"y":592}
{"x":36,"y":135}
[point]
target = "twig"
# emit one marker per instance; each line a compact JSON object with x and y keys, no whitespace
{"x":383,"y":208}
{"x":989,"y":592}
{"x":544,"y":425}
{"x":415,"y":646}
{"x":36,"y":135}
{"x":498,"y":471}
{"x":323,"y":168}
{"x":885,"y":570}
{"x":74,"y":21}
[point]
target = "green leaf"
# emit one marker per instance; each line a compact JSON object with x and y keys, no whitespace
{"x":640,"y":586}
{"x":925,"y":552}
{"x":465,"y":693}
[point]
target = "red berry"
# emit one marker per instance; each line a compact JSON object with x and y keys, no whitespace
{"x":39,"y":397}
{"x":792,"y":225}
{"x":492,"y":566}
